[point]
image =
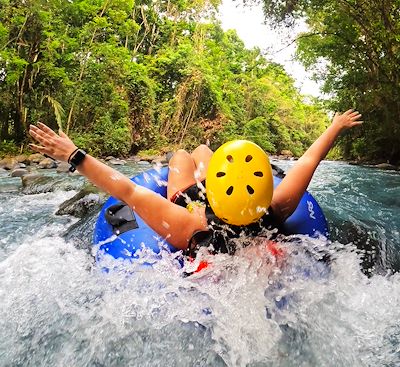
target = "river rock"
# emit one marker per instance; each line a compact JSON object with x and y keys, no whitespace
{"x":117,"y":162}
{"x":84,"y":201}
{"x":8,"y":163}
{"x":168,"y":156}
{"x":147,"y":157}
{"x":286,"y":153}
{"x":63,"y":167}
{"x":23,"y":159}
{"x":35,"y":158}
{"x":35,"y":183}
{"x":81,"y":232}
{"x":10,"y":187}
{"x":47,"y":163}
{"x":386,"y":166}
{"x":32,"y":178}
{"x":160,"y":160}
{"x":354,"y":163}
{"x":19,"y":172}
{"x":143,"y":163}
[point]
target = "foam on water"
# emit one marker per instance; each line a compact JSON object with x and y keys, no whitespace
{"x":58,"y":308}
{"x":23,"y":217}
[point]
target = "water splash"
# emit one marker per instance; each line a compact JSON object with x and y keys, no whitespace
{"x":59,"y":308}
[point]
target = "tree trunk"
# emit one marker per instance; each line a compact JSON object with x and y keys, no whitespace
{"x":20,"y":115}
{"x":4,"y":133}
{"x":18,"y":135}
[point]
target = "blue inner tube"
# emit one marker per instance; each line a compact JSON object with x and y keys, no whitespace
{"x":120,"y":232}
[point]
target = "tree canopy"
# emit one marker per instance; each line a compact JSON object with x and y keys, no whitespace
{"x":122,"y":76}
{"x":357,"y":42}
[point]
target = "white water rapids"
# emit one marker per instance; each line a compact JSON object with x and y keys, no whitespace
{"x":58,"y":308}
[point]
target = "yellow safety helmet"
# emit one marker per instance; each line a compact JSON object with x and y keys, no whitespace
{"x":239,"y":182}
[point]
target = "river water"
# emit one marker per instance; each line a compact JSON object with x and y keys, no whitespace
{"x":58,"y":308}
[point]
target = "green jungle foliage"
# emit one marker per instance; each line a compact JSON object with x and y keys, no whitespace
{"x":121,"y":76}
{"x":358,"y":44}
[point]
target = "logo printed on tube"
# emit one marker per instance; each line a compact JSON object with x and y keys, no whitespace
{"x":311,"y":209}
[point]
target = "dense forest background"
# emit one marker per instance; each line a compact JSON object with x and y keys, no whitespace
{"x":353,"y":46}
{"x":121,"y":76}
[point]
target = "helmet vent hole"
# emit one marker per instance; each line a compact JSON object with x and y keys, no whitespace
{"x":221,"y":174}
{"x":229,"y":158}
{"x":250,"y":190}
{"x":229,"y":191}
{"x":249,"y":158}
{"x":258,"y":174}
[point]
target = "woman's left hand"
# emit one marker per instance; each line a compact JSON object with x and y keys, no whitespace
{"x":347,"y":120}
{"x":57,"y":146}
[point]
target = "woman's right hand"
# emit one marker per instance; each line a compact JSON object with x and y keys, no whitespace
{"x":57,"y":146}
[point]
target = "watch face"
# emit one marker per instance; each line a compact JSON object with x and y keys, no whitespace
{"x":78,"y":157}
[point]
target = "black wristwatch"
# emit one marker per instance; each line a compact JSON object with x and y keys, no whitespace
{"x":76,"y":159}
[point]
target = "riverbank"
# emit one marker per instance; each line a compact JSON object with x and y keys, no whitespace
{"x":23,"y":164}
{"x":383,"y":165}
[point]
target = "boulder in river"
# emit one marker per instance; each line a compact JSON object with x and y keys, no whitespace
{"x":8,"y":163}
{"x":83,"y":202}
{"x":168,"y":156}
{"x":85,"y":205}
{"x":47,"y":163}
{"x":161,"y":160}
{"x":117,"y":162}
{"x":35,"y":183}
{"x":386,"y":166}
{"x":63,"y":167}
{"x":286,"y":153}
{"x":35,"y":158}
{"x":23,"y":158}
{"x":19,"y":172}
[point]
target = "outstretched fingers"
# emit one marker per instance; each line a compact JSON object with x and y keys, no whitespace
{"x":46,"y":146}
{"x":47,"y":130}
{"x":355,"y":119}
{"x":41,"y":136}
{"x":39,"y":149}
{"x":36,"y":135}
{"x":354,"y":116}
{"x":348,"y":119}
{"x":355,"y":123}
{"x":48,"y":142}
{"x":351,"y":112}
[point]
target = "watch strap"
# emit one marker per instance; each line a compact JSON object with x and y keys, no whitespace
{"x":76,"y":159}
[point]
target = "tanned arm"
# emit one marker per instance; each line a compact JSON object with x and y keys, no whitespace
{"x":288,"y":194}
{"x":170,"y":221}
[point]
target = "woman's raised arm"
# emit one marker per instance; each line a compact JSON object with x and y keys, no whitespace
{"x":170,"y":221}
{"x":288,"y":194}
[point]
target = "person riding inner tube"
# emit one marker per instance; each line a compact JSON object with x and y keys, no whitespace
{"x":174,"y":222}
{"x":236,"y":196}
{"x":120,"y":232}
